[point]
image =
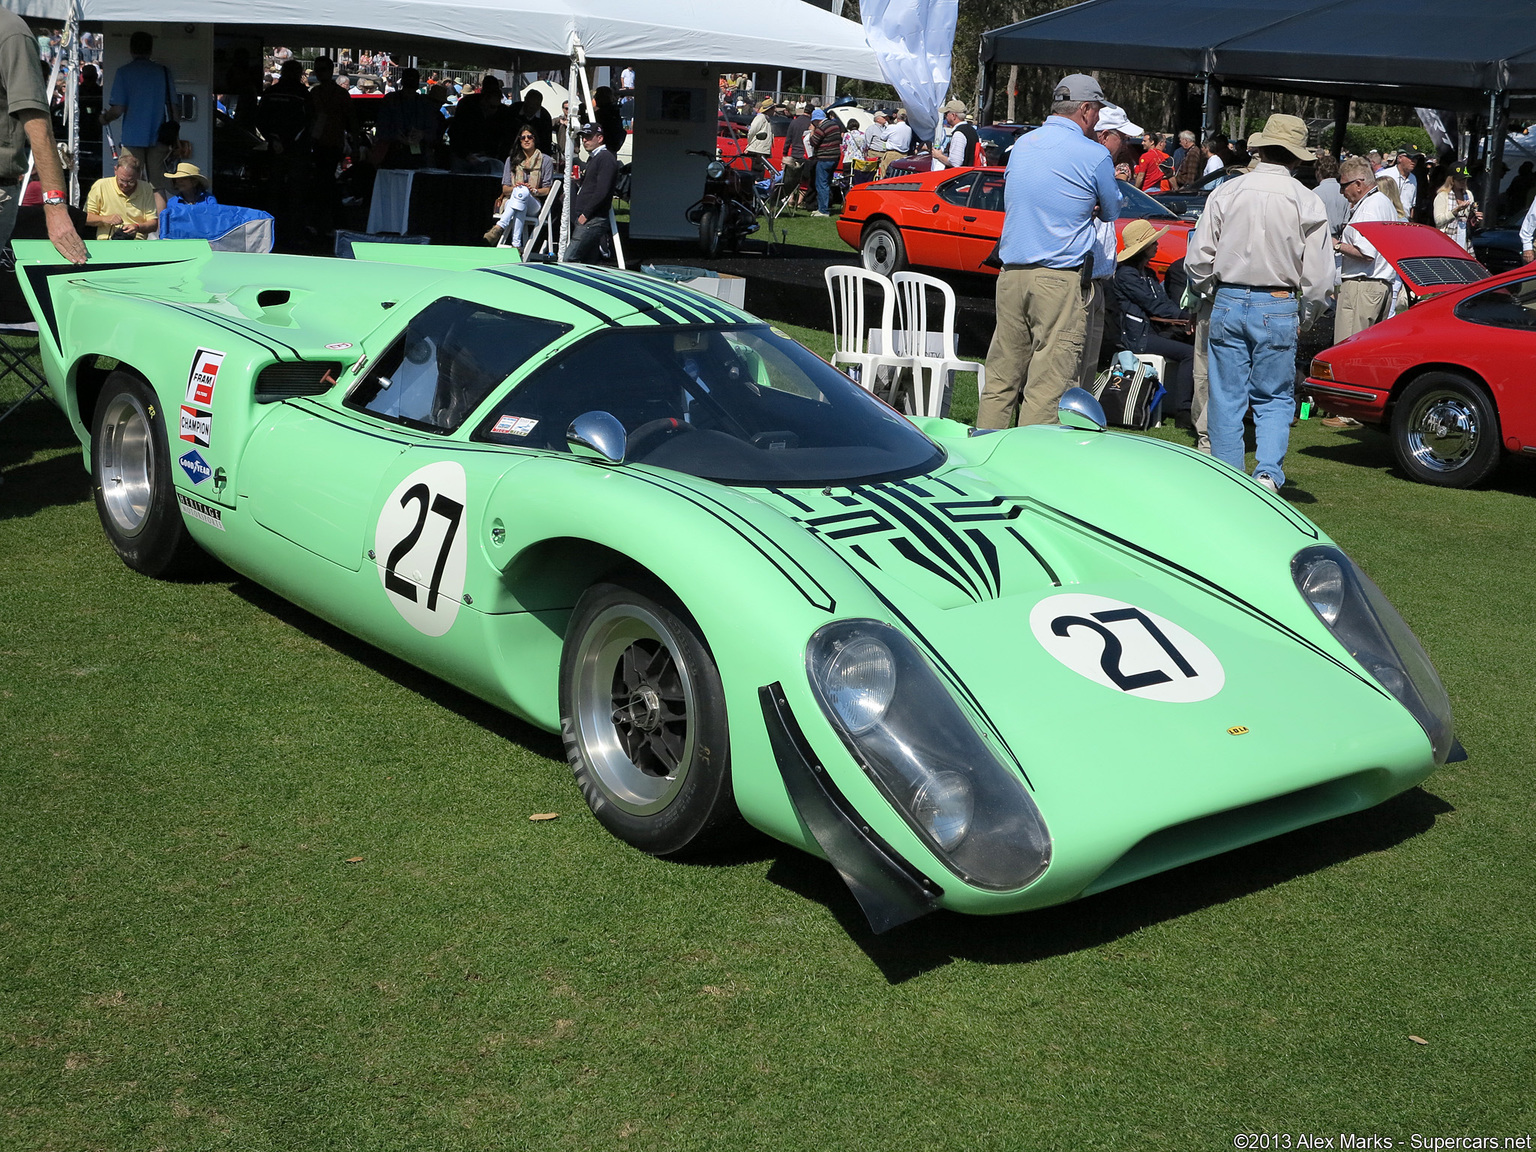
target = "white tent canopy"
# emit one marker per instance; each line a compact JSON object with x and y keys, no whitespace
{"x":804,"y":36}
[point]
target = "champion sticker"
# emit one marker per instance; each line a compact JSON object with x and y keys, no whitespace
{"x":195,"y":467}
{"x":1126,"y":648}
{"x":514,"y":426}
{"x":196,"y":426}
{"x":203,"y":377}
{"x":419,"y":546}
{"x":339,"y":347}
{"x":196,"y":509}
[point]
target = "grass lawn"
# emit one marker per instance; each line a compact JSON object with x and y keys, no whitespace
{"x":266,"y":888}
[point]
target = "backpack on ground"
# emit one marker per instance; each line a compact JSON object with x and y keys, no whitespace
{"x":1130,"y":393}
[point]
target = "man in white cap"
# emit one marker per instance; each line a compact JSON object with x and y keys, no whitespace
{"x":1261,"y":255}
{"x":1059,"y":181}
{"x":1113,"y":130}
{"x":960,"y":152}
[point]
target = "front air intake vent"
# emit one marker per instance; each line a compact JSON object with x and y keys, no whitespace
{"x":305,"y":378}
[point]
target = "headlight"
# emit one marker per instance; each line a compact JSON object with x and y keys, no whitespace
{"x":716,"y":170}
{"x":919,"y":747}
{"x":1321,"y":370}
{"x":1379,"y":639}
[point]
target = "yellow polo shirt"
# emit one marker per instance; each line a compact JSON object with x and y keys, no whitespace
{"x":107,"y":199}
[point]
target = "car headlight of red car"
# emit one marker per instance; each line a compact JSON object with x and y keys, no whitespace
{"x":914,"y":741}
{"x":1321,"y":370}
{"x":1362,"y":619}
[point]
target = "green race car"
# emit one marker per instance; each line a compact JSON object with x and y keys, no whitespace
{"x":979,"y":672}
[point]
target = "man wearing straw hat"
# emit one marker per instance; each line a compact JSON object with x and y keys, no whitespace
{"x":1260,"y":254}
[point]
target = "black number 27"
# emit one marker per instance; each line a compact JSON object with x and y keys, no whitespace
{"x":1110,"y":659}
{"x":450,"y":510}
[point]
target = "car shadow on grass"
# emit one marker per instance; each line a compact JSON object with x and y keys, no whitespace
{"x":35,"y":483}
{"x":933,"y":941}
{"x":440,"y":692}
{"x":1371,"y":448}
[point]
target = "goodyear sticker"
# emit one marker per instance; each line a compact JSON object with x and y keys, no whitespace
{"x":196,"y":426}
{"x":195,"y":466}
{"x":203,"y":377}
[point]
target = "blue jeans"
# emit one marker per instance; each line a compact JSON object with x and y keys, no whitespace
{"x":824,"y":170}
{"x":1252,"y":362}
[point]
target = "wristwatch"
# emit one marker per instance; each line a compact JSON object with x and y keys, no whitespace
{"x":53,"y":197}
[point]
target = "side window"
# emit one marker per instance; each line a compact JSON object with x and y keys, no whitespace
{"x":958,"y":191}
{"x":448,"y":359}
{"x":988,"y":196}
{"x":1512,"y":306}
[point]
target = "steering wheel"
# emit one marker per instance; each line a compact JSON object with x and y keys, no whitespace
{"x":655,"y":430}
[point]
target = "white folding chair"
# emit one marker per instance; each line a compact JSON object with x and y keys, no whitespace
{"x":930,"y":347}
{"x":855,"y":341}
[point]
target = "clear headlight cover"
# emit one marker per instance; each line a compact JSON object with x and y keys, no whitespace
{"x":715,"y":170}
{"x":908,"y":733}
{"x":1364,"y":621}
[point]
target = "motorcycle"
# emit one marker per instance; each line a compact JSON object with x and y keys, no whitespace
{"x":732,"y":202}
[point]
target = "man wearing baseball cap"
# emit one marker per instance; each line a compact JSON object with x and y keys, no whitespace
{"x":1059,"y":181}
{"x":963,"y":139}
{"x":1114,"y":131}
{"x":1261,"y":255}
{"x":593,"y":199}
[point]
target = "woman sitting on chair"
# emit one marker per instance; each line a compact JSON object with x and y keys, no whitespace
{"x":1145,"y":308}
{"x":525,"y":183}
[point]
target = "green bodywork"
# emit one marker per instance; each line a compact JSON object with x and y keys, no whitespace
{"x":957,"y":559}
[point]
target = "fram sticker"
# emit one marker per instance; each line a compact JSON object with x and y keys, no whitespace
{"x":195,"y":466}
{"x":196,"y":426}
{"x":203,"y":377}
{"x":514,"y":426}
{"x":1126,"y":648}
{"x":196,"y":509}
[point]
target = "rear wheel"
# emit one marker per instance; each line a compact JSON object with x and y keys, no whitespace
{"x":131,"y":479}
{"x":1445,"y":431}
{"x":882,"y":250}
{"x":709,"y":231}
{"x":642,"y":714}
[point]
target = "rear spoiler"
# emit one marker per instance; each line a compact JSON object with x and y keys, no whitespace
{"x":447,"y":257}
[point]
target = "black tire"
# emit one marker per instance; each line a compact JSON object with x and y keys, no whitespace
{"x":132,"y":482}
{"x":881,"y":249}
{"x":642,"y":714}
{"x":709,"y":231}
{"x":1445,"y":431}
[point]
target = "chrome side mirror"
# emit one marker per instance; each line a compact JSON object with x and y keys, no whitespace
{"x":597,"y":434}
{"x":1077,"y":409}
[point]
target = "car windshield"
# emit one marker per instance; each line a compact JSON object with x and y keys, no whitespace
{"x":1137,"y":205}
{"x":739,"y":405}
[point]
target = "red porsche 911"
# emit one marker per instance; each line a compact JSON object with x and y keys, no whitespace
{"x":953,"y":218}
{"x":1449,"y":379}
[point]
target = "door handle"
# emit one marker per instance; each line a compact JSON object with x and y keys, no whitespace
{"x":969,"y":219}
{"x":935,"y":208}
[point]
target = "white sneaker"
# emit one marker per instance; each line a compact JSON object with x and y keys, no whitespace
{"x":821,"y":213}
{"x":1267,"y":481}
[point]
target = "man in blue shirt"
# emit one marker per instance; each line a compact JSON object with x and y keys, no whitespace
{"x":1060,"y":180}
{"x":142,"y":94}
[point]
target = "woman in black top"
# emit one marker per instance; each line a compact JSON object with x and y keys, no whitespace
{"x":1141,"y":297}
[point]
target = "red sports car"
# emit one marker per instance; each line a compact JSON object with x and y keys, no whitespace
{"x":953,"y":218}
{"x":1450,"y":377}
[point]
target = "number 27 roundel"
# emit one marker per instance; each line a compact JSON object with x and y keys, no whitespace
{"x":419,"y":547}
{"x":1126,"y":648}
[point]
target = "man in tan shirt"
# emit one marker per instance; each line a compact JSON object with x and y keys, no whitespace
{"x":1261,"y":255}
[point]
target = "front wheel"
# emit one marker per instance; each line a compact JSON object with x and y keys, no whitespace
{"x":709,"y":230}
{"x":881,"y":249}
{"x":642,"y":714}
{"x":1445,"y":431}
{"x":131,"y":480}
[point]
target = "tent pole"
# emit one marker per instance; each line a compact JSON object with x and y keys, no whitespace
{"x":72,"y":103}
{"x":1500,"y":135}
{"x":1490,"y":172}
{"x":570,"y":162}
{"x":1211,"y":117}
{"x":1340,"y":126}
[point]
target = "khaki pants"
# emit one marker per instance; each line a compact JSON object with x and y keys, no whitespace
{"x":1197,"y":410}
{"x":1094,"y":340}
{"x":885,"y":162}
{"x":152,"y":160}
{"x":1361,"y":303}
{"x":1037,"y":346}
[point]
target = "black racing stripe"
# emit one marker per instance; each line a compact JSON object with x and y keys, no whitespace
{"x":955,"y":539}
{"x":673,"y":295}
{"x":39,"y":275}
{"x":689,"y":307}
{"x":1049,"y":571}
{"x":796,"y":501}
{"x":988,"y":552}
{"x":533,"y":282}
{"x":1291,"y":516}
{"x":915,"y":526}
{"x":223,"y":322}
{"x":1210,"y":585}
{"x":633,"y":299}
{"x":913,"y":554}
{"x":858,"y":550}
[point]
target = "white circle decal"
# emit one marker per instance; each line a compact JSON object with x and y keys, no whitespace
{"x":1126,"y":648}
{"x":419,"y":546}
